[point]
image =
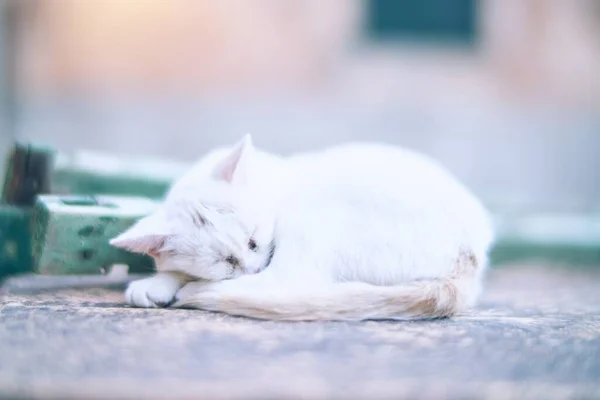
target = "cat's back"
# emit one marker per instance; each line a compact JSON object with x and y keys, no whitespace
{"x":380,"y":167}
{"x":390,"y":187}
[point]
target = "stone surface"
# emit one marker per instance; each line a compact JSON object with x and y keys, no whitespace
{"x":535,"y":335}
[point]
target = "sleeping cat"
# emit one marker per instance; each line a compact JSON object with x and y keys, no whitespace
{"x":354,"y":232}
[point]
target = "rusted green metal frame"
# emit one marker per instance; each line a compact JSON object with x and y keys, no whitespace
{"x":15,"y":240}
{"x":32,"y":171}
{"x":563,"y":238}
{"x":26,"y":175}
{"x":87,"y":172}
{"x":70,"y":234}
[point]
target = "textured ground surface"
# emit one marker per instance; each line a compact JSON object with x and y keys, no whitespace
{"x":536,"y":335}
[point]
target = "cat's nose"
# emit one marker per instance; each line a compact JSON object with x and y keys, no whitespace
{"x":255,"y":270}
{"x":260,"y":269}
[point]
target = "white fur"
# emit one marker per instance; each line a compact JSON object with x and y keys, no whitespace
{"x":361,"y":231}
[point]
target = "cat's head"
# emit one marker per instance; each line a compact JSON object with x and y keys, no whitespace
{"x":218,"y":228}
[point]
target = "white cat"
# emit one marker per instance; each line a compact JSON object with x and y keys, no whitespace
{"x":359,"y":231}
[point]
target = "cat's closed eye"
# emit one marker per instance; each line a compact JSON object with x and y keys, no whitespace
{"x":252,"y":244}
{"x":232,"y":260}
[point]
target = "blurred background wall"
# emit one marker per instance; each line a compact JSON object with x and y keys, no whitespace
{"x":506,"y":93}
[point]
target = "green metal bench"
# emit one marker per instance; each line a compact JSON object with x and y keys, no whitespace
{"x":58,"y":212}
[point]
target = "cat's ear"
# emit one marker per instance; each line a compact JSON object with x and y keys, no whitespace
{"x":146,"y":236}
{"x":234,"y":167}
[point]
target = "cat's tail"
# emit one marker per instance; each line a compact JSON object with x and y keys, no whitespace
{"x":352,"y":301}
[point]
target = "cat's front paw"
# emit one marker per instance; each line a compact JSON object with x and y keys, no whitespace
{"x":154,"y":292}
